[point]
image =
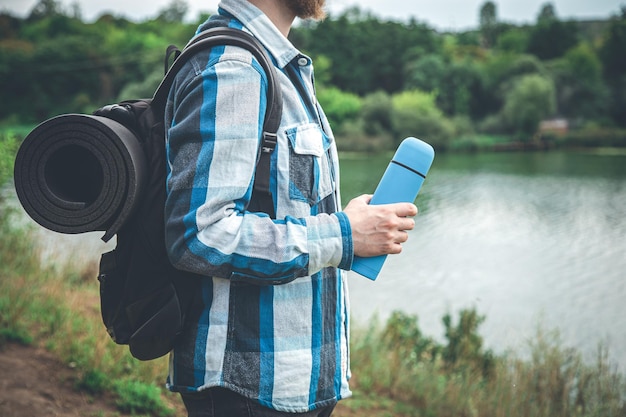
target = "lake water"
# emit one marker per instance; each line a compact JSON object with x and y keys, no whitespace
{"x":527,"y":239}
{"x":530,"y":240}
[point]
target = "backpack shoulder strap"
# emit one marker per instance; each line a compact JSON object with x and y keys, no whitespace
{"x":219,"y":36}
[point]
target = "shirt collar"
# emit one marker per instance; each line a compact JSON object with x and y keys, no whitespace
{"x":263,"y":29}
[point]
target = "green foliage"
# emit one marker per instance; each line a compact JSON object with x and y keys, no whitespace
{"x":416,"y":114}
{"x":556,"y":382}
{"x":426,"y":73}
{"x":367,"y":54}
{"x":612,"y":49}
{"x":614,"y":63}
{"x":53,"y":62}
{"x":402,"y":333}
{"x":376,"y":113}
{"x":488,"y":23}
{"x":94,"y":382}
{"x":323,"y":71}
{"x":514,"y":41}
{"x":138,"y":397}
{"x":15,"y":255}
{"x":340,"y":107}
{"x":499,"y":73}
{"x":465,"y":345}
{"x":531,"y":100}
{"x":461,"y":378}
{"x":143,"y":88}
{"x":71,"y":66}
{"x":14,"y":334}
{"x":550,"y":38}
{"x":593,"y":137}
{"x":461,"y":90}
{"x":581,"y":93}
{"x":9,"y":143}
{"x":174,"y":12}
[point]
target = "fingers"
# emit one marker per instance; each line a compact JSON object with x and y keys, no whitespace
{"x":379,"y":229}
{"x":365,"y":198}
{"x":406,"y":209}
{"x":406,"y":224}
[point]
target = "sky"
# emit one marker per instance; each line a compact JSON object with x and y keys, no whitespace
{"x":439,"y":14}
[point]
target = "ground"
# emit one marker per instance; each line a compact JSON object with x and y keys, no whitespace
{"x":33,"y":383}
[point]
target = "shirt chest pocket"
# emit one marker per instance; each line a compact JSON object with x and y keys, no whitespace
{"x":311,"y":177}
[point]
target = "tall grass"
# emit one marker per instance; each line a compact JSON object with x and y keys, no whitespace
{"x":461,"y":378}
{"x":59,"y":309}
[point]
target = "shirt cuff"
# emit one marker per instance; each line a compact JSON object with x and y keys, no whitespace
{"x":329,"y":242}
{"x":346,"y":234}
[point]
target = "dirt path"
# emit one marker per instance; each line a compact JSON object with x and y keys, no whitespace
{"x":33,"y":383}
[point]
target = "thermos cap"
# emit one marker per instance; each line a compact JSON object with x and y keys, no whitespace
{"x":415,"y":154}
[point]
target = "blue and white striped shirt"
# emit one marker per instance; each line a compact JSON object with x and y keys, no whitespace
{"x":284,"y":344}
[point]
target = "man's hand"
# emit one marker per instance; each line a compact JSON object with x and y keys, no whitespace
{"x":379,"y":229}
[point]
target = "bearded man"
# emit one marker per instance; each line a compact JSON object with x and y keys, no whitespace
{"x":267,"y":333}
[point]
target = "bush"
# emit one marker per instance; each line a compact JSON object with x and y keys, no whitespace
{"x":376,"y":114}
{"x":340,"y":107}
{"x":353,"y":138}
{"x":94,"y":382}
{"x":138,"y":397}
{"x":416,"y":114}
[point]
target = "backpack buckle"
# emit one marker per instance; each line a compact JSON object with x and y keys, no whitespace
{"x":269,"y":142}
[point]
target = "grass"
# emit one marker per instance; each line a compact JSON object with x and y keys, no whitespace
{"x":57,"y":306}
{"x":39,"y":305}
{"x":460,"y":378}
{"x":398,"y":371}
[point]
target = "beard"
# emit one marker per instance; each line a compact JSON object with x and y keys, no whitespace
{"x":307,"y":9}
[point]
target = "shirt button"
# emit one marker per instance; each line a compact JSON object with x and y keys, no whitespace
{"x":302,"y":61}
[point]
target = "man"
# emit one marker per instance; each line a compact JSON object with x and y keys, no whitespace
{"x":268,"y":333}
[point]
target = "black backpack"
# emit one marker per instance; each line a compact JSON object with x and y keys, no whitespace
{"x":144,"y":299}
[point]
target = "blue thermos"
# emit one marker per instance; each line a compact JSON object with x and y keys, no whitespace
{"x":401,"y":182}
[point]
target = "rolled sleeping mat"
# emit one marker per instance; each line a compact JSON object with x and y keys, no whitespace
{"x":79,"y":173}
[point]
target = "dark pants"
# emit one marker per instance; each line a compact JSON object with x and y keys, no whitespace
{"x":220,"y":402}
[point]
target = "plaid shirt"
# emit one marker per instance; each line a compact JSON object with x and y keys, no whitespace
{"x":271,"y":320}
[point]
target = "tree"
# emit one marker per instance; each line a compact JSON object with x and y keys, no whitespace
{"x":461,"y":91}
{"x":45,"y":8}
{"x":498,"y":73}
{"x":174,"y":12}
{"x":581,"y":92}
{"x":488,"y":23}
{"x":612,"y":50}
{"x":425,"y":73}
{"x":532,"y":99}
{"x":9,"y":26}
{"x":367,"y":54}
{"x":547,"y":13}
{"x":550,"y":38}
{"x":614,"y":61}
{"x":416,"y":114}
{"x":514,"y":40}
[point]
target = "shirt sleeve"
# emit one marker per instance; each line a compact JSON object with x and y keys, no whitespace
{"x":212,"y":148}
